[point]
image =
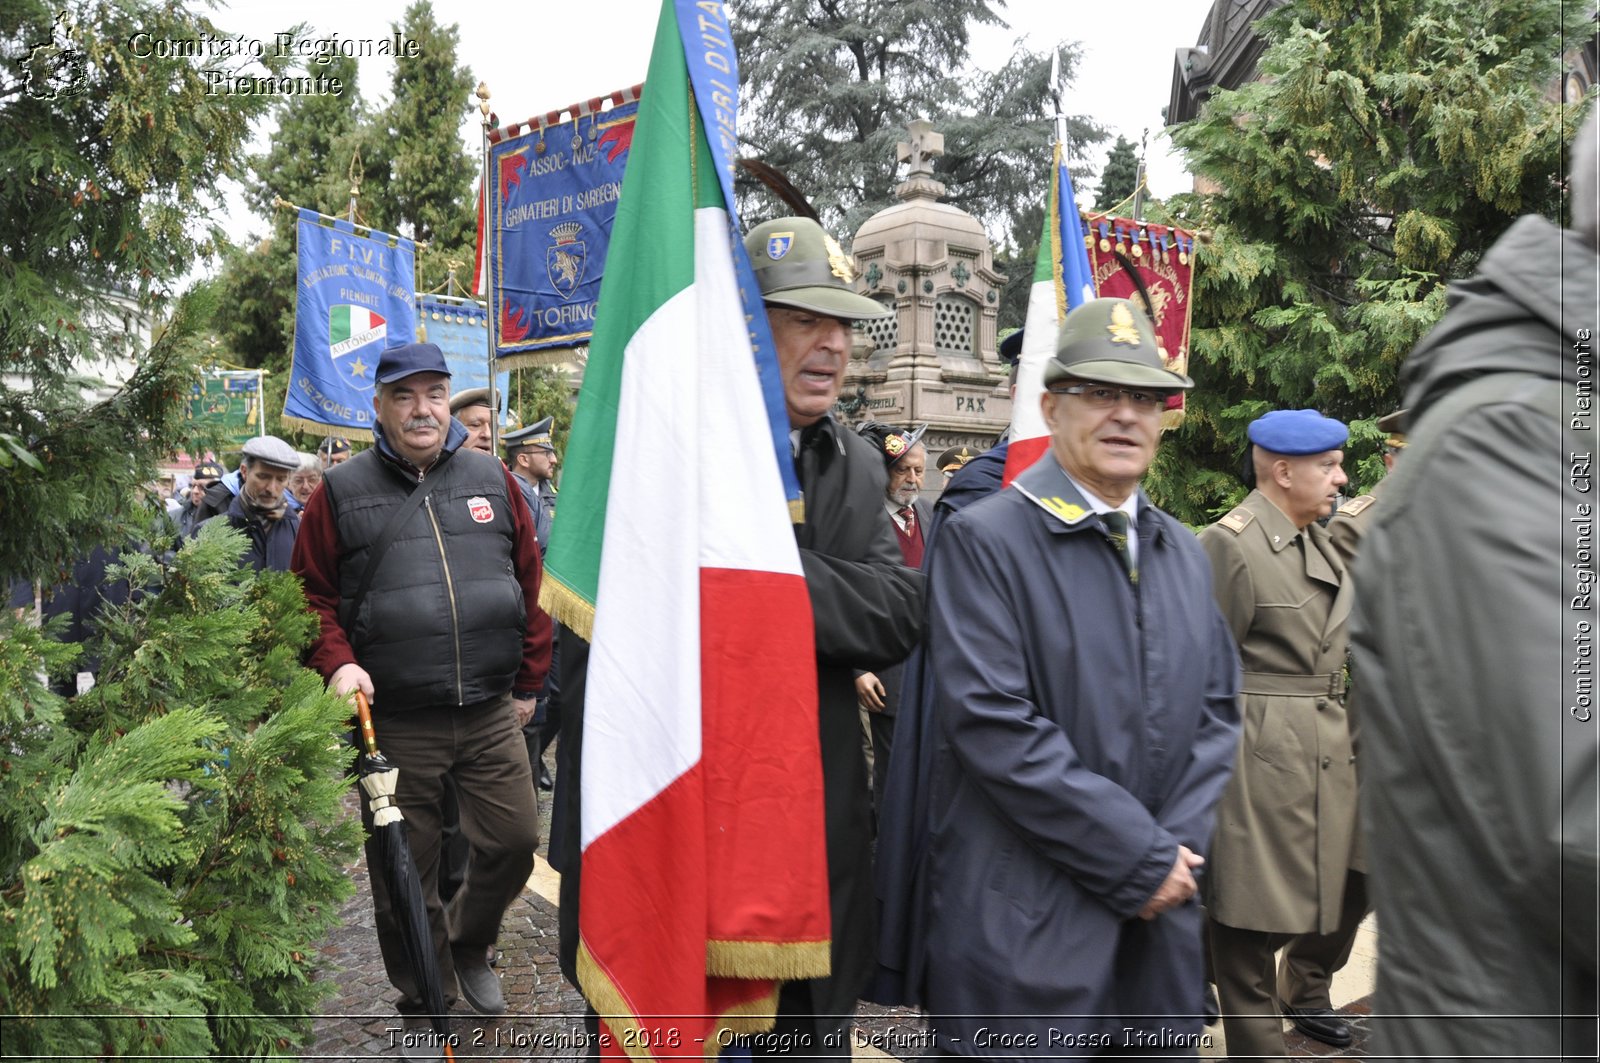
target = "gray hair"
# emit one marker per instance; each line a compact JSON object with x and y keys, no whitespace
{"x":1585,"y":210}
{"x":310,"y":463}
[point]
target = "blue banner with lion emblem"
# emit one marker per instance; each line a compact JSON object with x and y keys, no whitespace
{"x":553,"y":191}
{"x":355,"y":294}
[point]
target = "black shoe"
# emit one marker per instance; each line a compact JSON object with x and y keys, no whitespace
{"x":545,"y":782}
{"x":1209,"y":1010}
{"x":1320,"y":1024}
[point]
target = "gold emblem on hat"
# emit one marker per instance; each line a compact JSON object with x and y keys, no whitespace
{"x":1122,"y":327}
{"x":894,"y":446}
{"x":843,"y":265}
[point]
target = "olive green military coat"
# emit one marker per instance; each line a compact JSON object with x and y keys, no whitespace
{"x":1286,"y":824}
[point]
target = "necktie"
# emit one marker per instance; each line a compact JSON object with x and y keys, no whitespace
{"x":909,"y":515}
{"x":1116,"y":523}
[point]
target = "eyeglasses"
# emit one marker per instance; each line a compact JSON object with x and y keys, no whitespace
{"x":1102,"y":397}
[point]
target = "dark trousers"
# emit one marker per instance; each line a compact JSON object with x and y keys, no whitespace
{"x":481,"y":749}
{"x":1311,"y":960}
{"x":1244,"y":965}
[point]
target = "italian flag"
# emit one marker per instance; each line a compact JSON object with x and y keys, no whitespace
{"x":704,"y":876}
{"x":351,"y":327}
{"x":1061,"y":281}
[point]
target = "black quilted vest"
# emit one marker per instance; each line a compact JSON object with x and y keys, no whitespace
{"x":443,"y":621}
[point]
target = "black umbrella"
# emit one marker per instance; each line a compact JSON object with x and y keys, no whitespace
{"x":399,"y":871}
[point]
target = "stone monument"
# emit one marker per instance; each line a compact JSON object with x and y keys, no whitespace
{"x":935,"y":360}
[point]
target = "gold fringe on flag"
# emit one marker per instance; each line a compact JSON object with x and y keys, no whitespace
{"x":316,"y":428}
{"x":751,"y":1017}
{"x":567,"y":606}
{"x":527,"y":359}
{"x":759,"y":959}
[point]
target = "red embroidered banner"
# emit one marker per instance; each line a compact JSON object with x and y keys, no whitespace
{"x":1163,"y":256}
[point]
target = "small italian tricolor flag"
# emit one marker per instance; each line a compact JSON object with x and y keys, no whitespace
{"x":1061,"y":283}
{"x":350,"y":327}
{"x":704,"y":870}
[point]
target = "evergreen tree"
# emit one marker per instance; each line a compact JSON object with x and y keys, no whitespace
{"x":429,"y":188}
{"x":1120,"y":176}
{"x":407,"y":159}
{"x":111,"y":165}
{"x":829,"y":86}
{"x":171,"y":842}
{"x":1383,"y":148}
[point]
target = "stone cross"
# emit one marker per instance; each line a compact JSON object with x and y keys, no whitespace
{"x":925,"y":146}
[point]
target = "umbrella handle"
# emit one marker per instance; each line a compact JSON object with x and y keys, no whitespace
{"x":369,"y":737}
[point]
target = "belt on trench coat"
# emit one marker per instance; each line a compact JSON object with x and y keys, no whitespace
{"x":1331,"y":684}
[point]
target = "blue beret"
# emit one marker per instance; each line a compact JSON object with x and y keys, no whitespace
{"x":1297,"y":432}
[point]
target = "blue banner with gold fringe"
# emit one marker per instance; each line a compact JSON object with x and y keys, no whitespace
{"x":355,"y":294}
{"x":554,"y":184}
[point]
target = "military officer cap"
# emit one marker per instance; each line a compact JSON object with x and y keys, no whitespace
{"x":893,"y":443}
{"x":1296,"y":432}
{"x":207,"y":470}
{"x":1395,"y":425}
{"x":536,"y":434}
{"x":334,"y":445}
{"x":270,"y":450}
{"x":954,"y":458}
{"x":473,"y":397}
{"x":1111,"y":341}
{"x":798,"y":265}
{"x":1011,"y":347}
{"x":408,"y":359}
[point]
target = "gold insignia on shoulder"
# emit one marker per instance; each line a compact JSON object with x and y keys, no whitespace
{"x":843,"y":266}
{"x":1354,"y":507}
{"x":1237,"y":521}
{"x":1122,"y":327}
{"x":1067,"y":511}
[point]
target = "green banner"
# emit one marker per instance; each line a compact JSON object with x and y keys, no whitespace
{"x":230,"y":402}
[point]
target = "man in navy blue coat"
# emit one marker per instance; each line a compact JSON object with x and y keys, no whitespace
{"x":1083,"y":721}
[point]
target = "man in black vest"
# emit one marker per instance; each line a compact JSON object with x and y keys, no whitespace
{"x":443,"y":634}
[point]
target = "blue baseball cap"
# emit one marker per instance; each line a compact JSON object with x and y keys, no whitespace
{"x":1296,"y":432}
{"x":407,"y":359}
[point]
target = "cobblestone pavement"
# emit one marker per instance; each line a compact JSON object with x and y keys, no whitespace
{"x":545,"y":1019}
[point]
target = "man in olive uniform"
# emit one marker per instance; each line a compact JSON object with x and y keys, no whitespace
{"x":1287,"y":821}
{"x":1311,"y":960}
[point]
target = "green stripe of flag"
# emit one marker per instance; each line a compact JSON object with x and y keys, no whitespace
{"x":651,"y":259}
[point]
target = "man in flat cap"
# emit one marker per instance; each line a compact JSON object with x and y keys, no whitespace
{"x":261,"y":509}
{"x":1286,"y":826}
{"x":1474,"y":659}
{"x":475,"y":409}
{"x":878,"y":692}
{"x":419,"y":556}
{"x":1084,"y":719}
{"x":866,"y":606}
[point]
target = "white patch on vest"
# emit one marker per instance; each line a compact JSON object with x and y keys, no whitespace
{"x":481,"y":510}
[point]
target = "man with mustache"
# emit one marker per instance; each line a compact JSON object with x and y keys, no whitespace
{"x":1286,"y":827}
{"x":261,"y":509}
{"x":419,"y":555}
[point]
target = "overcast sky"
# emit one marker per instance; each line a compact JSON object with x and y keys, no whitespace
{"x":543,"y":56}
